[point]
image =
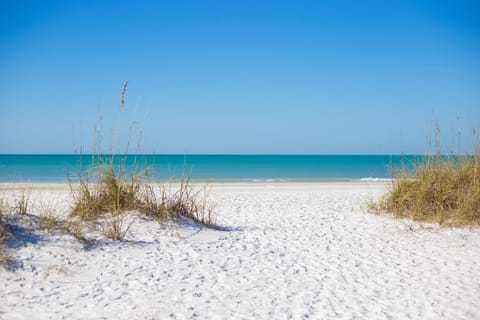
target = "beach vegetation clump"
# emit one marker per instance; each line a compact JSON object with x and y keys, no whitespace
{"x":75,"y":228}
{"x":4,"y":235}
{"x":110,"y":192}
{"x":112,"y":188}
{"x":441,"y":189}
{"x":22,"y":205}
{"x":192,"y":203}
{"x":107,"y":199}
{"x":4,"y":232}
{"x":115,"y":226}
{"x":108,"y":202}
{"x":48,"y":221}
{"x":156,"y":204}
{"x":187,"y":201}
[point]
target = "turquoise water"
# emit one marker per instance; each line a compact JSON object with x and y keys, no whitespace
{"x":214,"y":168}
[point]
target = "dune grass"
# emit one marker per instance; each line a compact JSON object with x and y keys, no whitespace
{"x":4,"y":232}
{"x":108,"y":192}
{"x":187,"y":201}
{"x":111,"y":190}
{"x":442,"y":189}
{"x":22,"y":205}
{"x":109,"y":200}
{"x":48,"y":220}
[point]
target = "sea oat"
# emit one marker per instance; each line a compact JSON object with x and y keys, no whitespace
{"x":122,"y":97}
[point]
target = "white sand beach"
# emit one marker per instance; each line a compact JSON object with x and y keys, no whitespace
{"x":285,"y":251}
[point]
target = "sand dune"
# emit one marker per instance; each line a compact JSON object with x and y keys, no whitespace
{"x":287,"y":251}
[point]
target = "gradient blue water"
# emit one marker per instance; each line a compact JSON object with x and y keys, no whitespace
{"x":54,"y":168}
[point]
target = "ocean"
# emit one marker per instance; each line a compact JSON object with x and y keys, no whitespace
{"x":211,"y":168}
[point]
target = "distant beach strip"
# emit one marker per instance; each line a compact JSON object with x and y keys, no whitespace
{"x":212,"y":168}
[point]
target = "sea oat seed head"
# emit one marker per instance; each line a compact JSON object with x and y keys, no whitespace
{"x":122,"y":98}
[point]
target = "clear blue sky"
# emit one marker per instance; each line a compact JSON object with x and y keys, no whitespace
{"x":321,"y":77}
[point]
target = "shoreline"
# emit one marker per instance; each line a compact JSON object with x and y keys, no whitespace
{"x":215,"y":185}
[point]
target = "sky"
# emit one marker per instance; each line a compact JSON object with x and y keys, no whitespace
{"x":239,"y":77}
